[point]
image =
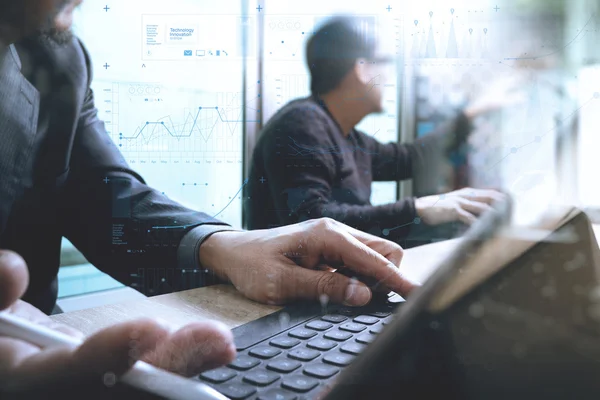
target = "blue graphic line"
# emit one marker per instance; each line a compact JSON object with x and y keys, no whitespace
{"x":303,"y":150}
{"x":232,"y":199}
{"x":224,"y":208}
{"x":162,"y":123}
{"x":387,"y":231}
{"x":539,"y":138}
{"x":298,"y":48}
{"x":169,"y":122}
{"x":557,"y":51}
{"x":416,"y":221}
{"x":368,"y":91}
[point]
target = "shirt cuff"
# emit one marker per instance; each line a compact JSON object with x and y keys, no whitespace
{"x":188,"y":252}
{"x":411,"y":216}
{"x":412,"y":210}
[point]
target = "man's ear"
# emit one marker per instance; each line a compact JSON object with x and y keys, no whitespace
{"x":361,"y":71}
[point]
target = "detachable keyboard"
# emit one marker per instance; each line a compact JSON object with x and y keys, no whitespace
{"x":293,"y":353}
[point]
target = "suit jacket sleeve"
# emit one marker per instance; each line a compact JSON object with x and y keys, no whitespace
{"x":396,"y":162}
{"x":125,"y":228}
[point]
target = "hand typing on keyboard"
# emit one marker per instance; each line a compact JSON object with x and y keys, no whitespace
{"x":275,"y":266}
{"x":296,"y":262}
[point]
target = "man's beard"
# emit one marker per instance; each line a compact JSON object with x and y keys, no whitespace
{"x":54,"y":36}
{"x":48,"y":31}
{"x":14,"y":19}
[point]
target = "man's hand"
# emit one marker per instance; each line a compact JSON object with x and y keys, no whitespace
{"x":502,"y":93}
{"x":28,"y":372}
{"x":296,"y":262}
{"x":461,"y":205}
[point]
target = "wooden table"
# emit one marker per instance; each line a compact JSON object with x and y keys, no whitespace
{"x":223,"y":302}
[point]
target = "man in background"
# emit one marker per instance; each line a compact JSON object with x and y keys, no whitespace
{"x":311,"y":162}
{"x":61,"y":175}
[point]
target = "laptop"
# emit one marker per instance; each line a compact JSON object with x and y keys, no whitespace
{"x":311,"y":351}
{"x":513,"y":312}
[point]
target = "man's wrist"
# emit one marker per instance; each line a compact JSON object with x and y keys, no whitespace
{"x":189,"y":250}
{"x":470,"y":112}
{"x":212,"y":251}
{"x":419,"y":207}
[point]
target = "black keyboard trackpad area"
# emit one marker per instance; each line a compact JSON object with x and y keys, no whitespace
{"x":247,"y":335}
{"x":256,"y":331}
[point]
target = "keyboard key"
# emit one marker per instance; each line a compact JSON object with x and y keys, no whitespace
{"x":321,"y":344}
{"x":244,"y":363}
{"x":261,"y":378}
{"x":283,"y":365}
{"x":319,"y":325}
{"x":366,"y":319}
{"x":388,"y":320}
{"x":380,"y":314}
{"x":321,"y":371}
{"x":284,"y":342}
{"x":352,"y":327}
{"x":338,"y":335}
{"x":302,"y":333}
{"x":299,"y":383}
{"x":335,"y":318}
{"x":277,"y":394}
{"x":237,"y":391}
{"x":353,"y":348}
{"x":339,"y":359}
{"x":366,"y":338}
{"x":264,"y":352}
{"x":396,"y":299}
{"x":347,"y":311}
{"x":376,"y":329}
{"x":304,"y":354}
{"x":218,"y":375}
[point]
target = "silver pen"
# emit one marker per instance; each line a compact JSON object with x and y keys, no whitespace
{"x":141,"y":376}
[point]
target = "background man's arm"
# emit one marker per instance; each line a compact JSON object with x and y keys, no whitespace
{"x":425,"y":156}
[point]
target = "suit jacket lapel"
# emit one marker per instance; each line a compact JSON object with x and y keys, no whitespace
{"x":19,"y":108}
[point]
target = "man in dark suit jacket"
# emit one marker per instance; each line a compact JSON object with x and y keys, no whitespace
{"x":60,"y":175}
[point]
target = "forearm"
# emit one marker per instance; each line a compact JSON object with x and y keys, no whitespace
{"x":135,"y":234}
{"x":439,"y":144}
{"x":435,"y":155}
{"x":373,"y":219}
{"x":425,"y":156}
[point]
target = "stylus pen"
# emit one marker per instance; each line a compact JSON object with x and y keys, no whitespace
{"x":141,"y":376}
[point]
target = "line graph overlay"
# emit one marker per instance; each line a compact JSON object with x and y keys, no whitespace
{"x":182,"y":141}
{"x":232,"y":199}
{"x":173,"y":130}
{"x":144,"y":118}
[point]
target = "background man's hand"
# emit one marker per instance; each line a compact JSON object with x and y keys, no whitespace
{"x":28,"y":372}
{"x":296,"y":262}
{"x":461,"y":205}
{"x":502,"y":93}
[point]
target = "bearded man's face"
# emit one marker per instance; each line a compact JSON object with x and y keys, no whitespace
{"x":50,"y":18}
